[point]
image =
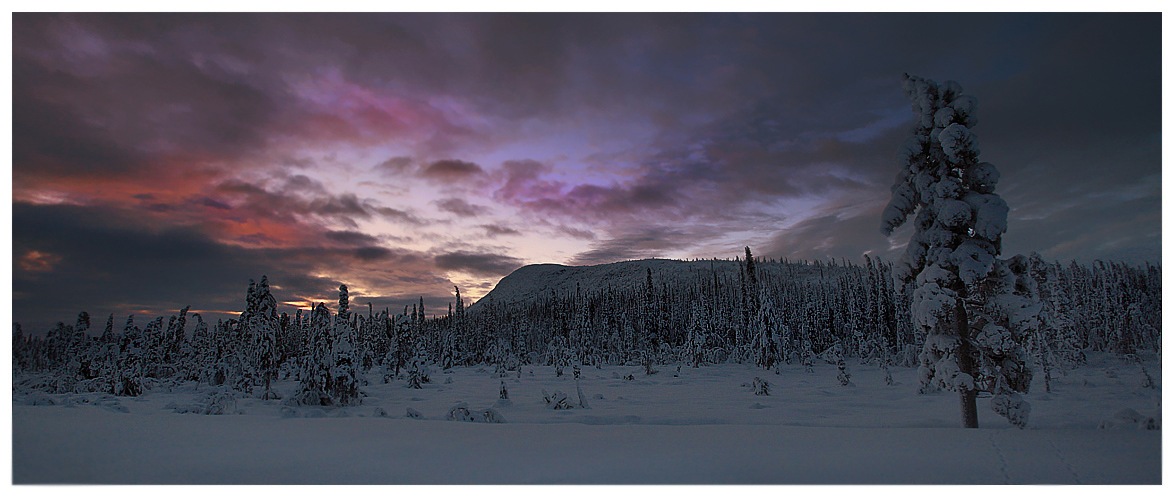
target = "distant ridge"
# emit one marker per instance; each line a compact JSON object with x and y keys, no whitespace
{"x":535,"y":281}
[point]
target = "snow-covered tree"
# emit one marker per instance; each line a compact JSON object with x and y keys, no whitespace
{"x":128,"y":380}
{"x":697,"y":334}
{"x":761,"y":387}
{"x":344,"y":386}
{"x":260,"y":323}
{"x":20,"y":350}
{"x":976,"y":309}
{"x":765,"y":332}
{"x":578,"y":389}
{"x":318,"y":361}
{"x":843,"y":375}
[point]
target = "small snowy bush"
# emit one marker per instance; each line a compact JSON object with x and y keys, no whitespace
{"x":844,"y":375}
{"x":1128,"y":418}
{"x":556,"y":400}
{"x":491,"y":416}
{"x":761,"y":387}
{"x":460,"y":413}
{"x":1012,"y":407}
{"x":38,"y":399}
{"x":221,"y":403}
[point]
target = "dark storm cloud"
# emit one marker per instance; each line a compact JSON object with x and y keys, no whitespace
{"x":89,"y":104}
{"x":478,"y":263}
{"x":110,"y":265}
{"x":57,"y":139}
{"x":102,"y":260}
{"x":1057,"y":121}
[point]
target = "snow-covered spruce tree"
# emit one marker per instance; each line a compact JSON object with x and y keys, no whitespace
{"x":202,"y":352}
{"x":696,"y":342}
{"x":648,"y":324}
{"x":579,"y":389}
{"x":318,"y":361}
{"x":1043,"y":341}
{"x":765,"y":330}
{"x":843,"y":375}
{"x":344,"y":386}
{"x":260,"y":328}
{"x":20,"y":351}
{"x":977,"y":310}
{"x":128,"y":381}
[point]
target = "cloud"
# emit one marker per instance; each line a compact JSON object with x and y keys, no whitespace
{"x":209,"y":202}
{"x":451,"y":170}
{"x":481,"y":264}
{"x":460,"y":207}
{"x":397,"y":215}
{"x":373,"y":253}
{"x":650,"y":134}
{"x":521,"y":181}
{"x":394,"y":166}
{"x":496,"y":230}
{"x":350,"y":238}
{"x":837,"y":231}
{"x":576,"y":233}
{"x":291,"y":199}
{"x":103,"y":259}
{"x":38,"y":262}
{"x":72,"y":115}
{"x":639,"y":243}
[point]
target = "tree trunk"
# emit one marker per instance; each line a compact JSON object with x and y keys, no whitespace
{"x":970,"y":415}
{"x":967,"y":407}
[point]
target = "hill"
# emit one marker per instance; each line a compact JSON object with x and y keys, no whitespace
{"x":534,"y":281}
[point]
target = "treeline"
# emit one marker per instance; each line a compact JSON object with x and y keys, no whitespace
{"x":747,"y":310}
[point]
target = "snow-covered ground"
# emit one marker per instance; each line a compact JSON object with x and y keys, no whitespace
{"x":703,"y":425}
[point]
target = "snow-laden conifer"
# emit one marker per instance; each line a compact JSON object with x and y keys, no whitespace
{"x":976,"y":309}
{"x":765,"y":331}
{"x":318,"y":361}
{"x":344,"y":384}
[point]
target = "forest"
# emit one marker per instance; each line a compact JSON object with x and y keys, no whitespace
{"x":745,"y":310}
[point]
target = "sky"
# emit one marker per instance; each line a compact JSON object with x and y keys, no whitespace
{"x":163,"y":160}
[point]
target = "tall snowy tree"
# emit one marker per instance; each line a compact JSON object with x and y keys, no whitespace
{"x":344,"y":385}
{"x":128,"y":381}
{"x":260,"y":322}
{"x":696,"y":343}
{"x":975,"y":308}
{"x":765,"y":332}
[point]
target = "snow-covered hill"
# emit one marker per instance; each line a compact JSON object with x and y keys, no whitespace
{"x":535,"y":281}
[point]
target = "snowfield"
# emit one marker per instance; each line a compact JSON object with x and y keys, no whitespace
{"x":702,"y":426}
